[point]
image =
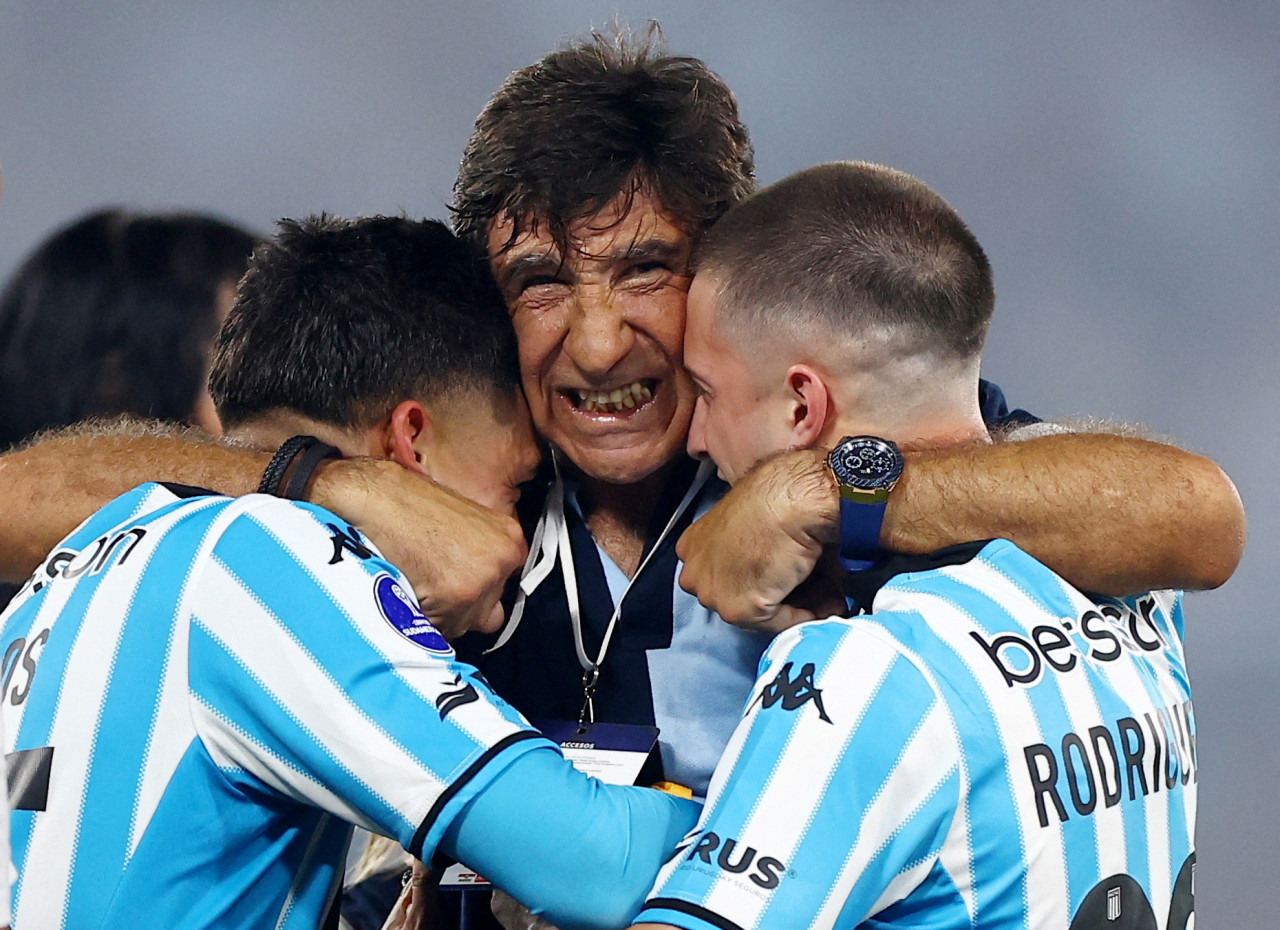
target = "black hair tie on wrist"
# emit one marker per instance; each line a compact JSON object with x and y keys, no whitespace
{"x":308,"y":461}
{"x":308,"y":452}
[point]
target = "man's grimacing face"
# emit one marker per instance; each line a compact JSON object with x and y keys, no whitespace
{"x":601,"y":336}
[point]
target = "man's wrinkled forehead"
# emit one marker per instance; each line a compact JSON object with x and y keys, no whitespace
{"x":630,"y":216}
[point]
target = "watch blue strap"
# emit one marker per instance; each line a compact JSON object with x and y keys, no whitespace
{"x":860,"y":523}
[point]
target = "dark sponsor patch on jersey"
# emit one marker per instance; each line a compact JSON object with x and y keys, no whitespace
{"x":1103,"y":634}
{"x":403,"y":613}
{"x":729,"y":856}
{"x":28,"y":778}
{"x":1117,"y":902}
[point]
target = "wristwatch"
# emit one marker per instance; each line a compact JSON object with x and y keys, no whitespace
{"x":865,"y":468}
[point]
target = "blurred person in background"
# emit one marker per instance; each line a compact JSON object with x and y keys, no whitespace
{"x":114,"y":314}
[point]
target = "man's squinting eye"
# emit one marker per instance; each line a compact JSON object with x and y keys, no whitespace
{"x":541,"y":280}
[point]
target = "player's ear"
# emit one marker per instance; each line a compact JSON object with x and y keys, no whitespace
{"x":809,"y":406}
{"x":406,"y":434}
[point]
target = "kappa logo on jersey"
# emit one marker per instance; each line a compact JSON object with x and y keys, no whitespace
{"x":794,"y":693}
{"x":450,"y":700}
{"x":348,"y":540}
{"x":403,"y":613}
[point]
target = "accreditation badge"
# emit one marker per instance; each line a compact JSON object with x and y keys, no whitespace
{"x":615,"y":753}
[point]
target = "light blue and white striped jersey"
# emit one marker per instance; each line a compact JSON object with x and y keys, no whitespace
{"x":987,"y":748}
{"x":200,"y":695}
{"x":5,"y":860}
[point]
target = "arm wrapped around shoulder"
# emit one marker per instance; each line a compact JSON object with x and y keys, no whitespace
{"x":574,"y":850}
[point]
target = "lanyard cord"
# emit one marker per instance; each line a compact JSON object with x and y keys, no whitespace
{"x":551,"y":543}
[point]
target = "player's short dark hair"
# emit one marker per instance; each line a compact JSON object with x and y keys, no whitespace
{"x":114,"y":313}
{"x":851,"y":245}
{"x":341,"y":320}
{"x":608,"y":115}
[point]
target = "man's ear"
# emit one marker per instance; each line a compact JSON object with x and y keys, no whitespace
{"x":407,"y":433}
{"x":810,"y":406}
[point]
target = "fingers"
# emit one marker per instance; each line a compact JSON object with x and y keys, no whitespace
{"x":787,"y":617}
{"x":455,"y":610}
{"x":493,"y":623}
{"x":467,"y":595}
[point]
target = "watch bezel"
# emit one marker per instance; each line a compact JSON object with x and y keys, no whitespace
{"x":888,"y":463}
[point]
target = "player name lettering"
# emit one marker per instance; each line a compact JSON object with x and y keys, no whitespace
{"x":1129,"y":759}
{"x":1103,"y":634}
{"x":112,"y":549}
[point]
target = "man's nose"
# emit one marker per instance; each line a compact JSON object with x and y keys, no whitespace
{"x":697,"y":441}
{"x":600,"y":335}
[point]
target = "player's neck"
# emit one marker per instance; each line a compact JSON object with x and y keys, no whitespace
{"x":932,"y":419}
{"x":268,"y":431}
{"x":618,"y":515}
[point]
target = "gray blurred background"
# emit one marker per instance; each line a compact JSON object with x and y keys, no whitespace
{"x":1119,"y":162}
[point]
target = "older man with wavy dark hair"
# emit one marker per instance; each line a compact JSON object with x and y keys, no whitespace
{"x":588,"y":179}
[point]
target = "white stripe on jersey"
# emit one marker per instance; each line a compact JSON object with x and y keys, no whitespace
{"x":173,"y":709}
{"x":51,"y":854}
{"x":260,"y":643}
{"x":956,"y":855}
{"x":172,"y":715}
{"x":803,"y":772}
{"x":481,"y":721}
{"x":1017,"y":725}
{"x":928,"y":760}
{"x":240,"y":750}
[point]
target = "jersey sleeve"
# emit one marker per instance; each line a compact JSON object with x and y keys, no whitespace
{"x":569,"y":847}
{"x":832,"y":800}
{"x":314,"y":675}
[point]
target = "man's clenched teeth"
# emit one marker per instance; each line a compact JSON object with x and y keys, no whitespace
{"x":615,"y":401}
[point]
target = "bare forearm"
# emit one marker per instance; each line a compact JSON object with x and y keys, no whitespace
{"x":49,"y":488}
{"x":456,"y":553}
{"x":1110,"y":514}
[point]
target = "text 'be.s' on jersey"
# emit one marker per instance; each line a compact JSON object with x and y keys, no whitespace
{"x":201,"y":694}
{"x":988,"y":747}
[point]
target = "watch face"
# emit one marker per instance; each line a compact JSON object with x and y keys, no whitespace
{"x":866,"y":462}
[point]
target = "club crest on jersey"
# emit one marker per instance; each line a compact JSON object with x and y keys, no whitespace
{"x":403,"y":613}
